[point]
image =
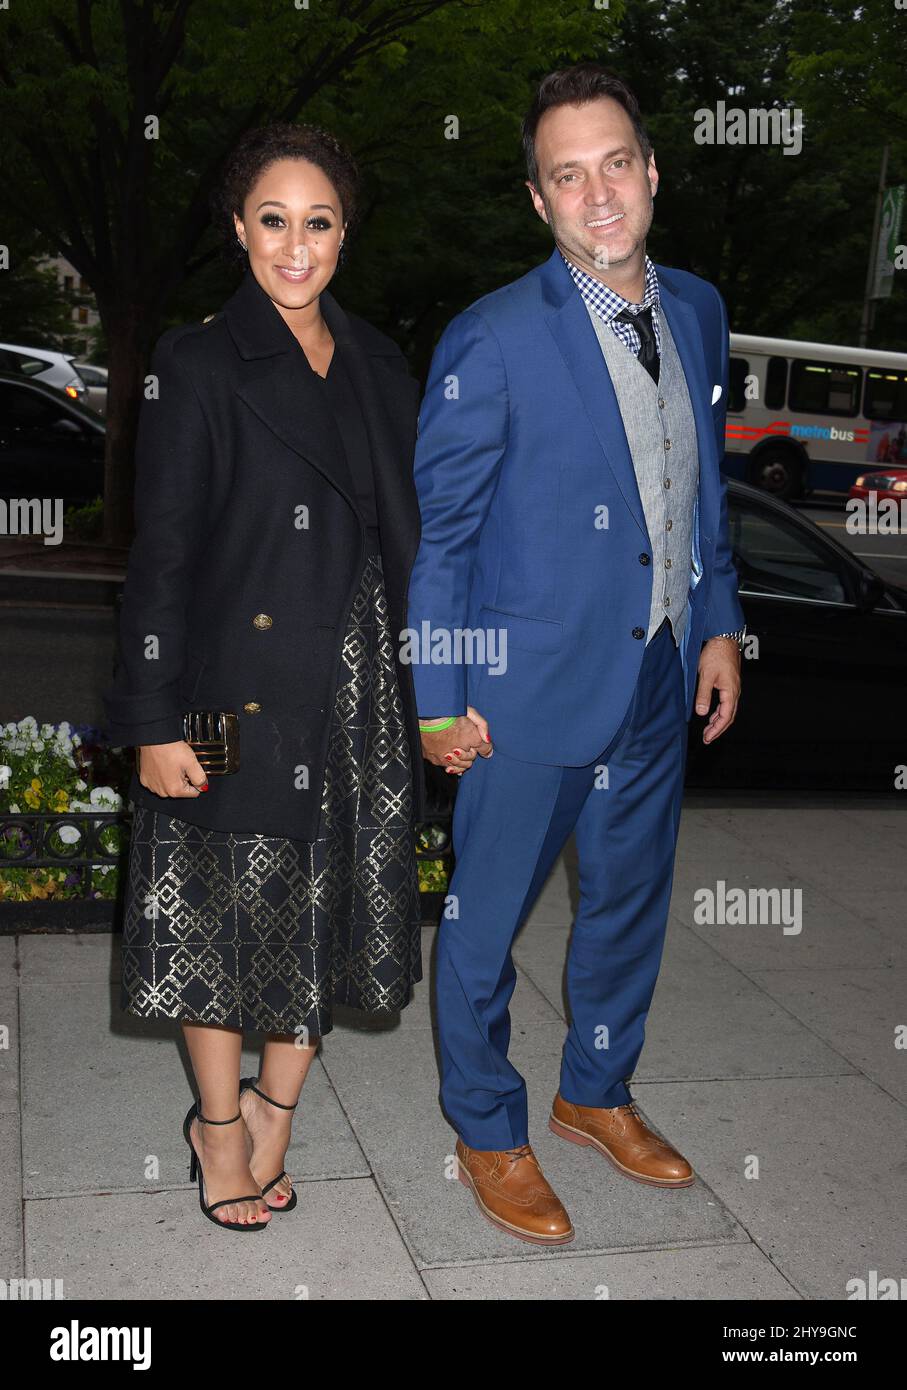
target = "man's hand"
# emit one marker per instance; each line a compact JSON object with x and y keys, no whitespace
{"x":719,"y":669}
{"x":455,"y":747}
{"x":170,"y":769}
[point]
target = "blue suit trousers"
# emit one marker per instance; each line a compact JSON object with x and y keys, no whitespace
{"x":511,"y":821}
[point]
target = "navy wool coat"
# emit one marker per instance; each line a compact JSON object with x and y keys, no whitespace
{"x":248,"y":551}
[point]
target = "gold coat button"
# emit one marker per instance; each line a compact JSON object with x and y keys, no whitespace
{"x":262,"y":621}
{"x":253,"y":707}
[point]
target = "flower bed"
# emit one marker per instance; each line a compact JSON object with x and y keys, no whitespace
{"x":64,"y":821}
{"x":52,"y":778}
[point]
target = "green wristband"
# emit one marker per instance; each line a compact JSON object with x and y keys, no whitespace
{"x":436,"y":728}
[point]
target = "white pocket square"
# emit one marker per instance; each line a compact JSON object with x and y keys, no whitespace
{"x":716,"y":394}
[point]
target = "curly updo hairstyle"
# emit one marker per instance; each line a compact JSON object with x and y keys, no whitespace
{"x":256,"y":150}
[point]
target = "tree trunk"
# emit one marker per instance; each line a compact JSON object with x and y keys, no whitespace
{"x":129,"y":338}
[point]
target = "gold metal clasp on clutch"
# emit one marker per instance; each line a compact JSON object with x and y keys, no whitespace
{"x":214,"y":738}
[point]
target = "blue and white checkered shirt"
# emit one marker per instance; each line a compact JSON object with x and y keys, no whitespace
{"x":606,"y":303}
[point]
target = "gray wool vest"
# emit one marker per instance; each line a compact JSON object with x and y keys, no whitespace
{"x":661,"y":432}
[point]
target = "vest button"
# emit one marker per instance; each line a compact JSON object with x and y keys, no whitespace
{"x":644,"y":559}
{"x":667,"y":482}
{"x":668,"y":564}
{"x":668,"y":524}
{"x":262,"y":621}
{"x":667,"y":443}
{"x":253,"y":707}
{"x":639,"y":632}
{"x":661,"y":404}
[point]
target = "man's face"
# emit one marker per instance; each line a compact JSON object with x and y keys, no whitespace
{"x":595,"y":190}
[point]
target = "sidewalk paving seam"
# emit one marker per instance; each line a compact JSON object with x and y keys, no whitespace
{"x":537,"y":1254}
{"x":377,"y":1181}
{"x":77,"y":1194}
{"x":855,"y":1068}
{"x":17,"y":973}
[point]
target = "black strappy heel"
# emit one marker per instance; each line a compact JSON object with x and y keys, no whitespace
{"x":195,"y":1167}
{"x":250,"y":1083}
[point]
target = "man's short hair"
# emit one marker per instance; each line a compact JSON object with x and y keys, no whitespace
{"x":575,"y":86}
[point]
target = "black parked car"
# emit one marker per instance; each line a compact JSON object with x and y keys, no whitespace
{"x":823,"y":703}
{"x":50,"y":446}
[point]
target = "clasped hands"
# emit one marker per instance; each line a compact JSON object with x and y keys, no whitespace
{"x":456,"y":747}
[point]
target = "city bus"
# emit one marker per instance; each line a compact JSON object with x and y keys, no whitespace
{"x":804,"y":417}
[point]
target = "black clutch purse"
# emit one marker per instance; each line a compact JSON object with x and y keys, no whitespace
{"x":214,"y":738}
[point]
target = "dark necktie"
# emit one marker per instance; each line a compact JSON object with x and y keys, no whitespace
{"x":648,"y":351}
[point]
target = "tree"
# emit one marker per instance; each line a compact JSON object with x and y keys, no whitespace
{"x":116,"y":117}
{"x":33,"y":309}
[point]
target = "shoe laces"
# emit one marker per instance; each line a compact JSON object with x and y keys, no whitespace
{"x":524,"y":1151}
{"x":631,"y":1108}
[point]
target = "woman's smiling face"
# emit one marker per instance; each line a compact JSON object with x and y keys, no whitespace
{"x":293,"y":228}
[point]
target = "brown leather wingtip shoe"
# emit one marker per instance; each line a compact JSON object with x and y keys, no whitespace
{"x":623,"y":1136}
{"x":511,"y":1192}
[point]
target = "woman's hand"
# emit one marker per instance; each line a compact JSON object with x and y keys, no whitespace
{"x":456,"y":747}
{"x":170,"y":769}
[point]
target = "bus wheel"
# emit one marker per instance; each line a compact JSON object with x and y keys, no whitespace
{"x":777,"y":471}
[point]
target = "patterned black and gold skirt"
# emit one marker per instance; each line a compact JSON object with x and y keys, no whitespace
{"x":267,"y":934}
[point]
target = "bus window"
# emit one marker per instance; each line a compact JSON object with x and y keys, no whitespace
{"x":737,"y":374}
{"x":775,"y":383}
{"x":885,"y":396}
{"x":824,"y":388}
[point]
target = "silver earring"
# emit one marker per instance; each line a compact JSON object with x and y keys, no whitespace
{"x":241,"y":242}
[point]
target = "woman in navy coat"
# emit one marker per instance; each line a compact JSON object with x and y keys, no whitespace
{"x":276,"y":526}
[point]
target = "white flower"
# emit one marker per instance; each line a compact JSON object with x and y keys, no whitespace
{"x":106,"y":797}
{"x":69,"y":834}
{"x":81,"y":786}
{"x":27,"y":724}
{"x":14,"y":809}
{"x":38,"y":747}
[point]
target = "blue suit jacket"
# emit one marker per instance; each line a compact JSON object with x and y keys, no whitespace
{"x":520,"y":449}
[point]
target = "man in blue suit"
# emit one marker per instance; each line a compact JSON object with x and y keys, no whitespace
{"x":573,"y":595}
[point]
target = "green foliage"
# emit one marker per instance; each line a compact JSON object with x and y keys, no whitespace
{"x":33,"y":308}
{"x":433,"y":873}
{"x":86,"y":522}
{"x":49,"y":769}
{"x":53,"y":769}
{"x":785,"y":237}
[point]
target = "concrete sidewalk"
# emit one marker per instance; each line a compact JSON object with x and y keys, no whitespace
{"x":762,"y":1046}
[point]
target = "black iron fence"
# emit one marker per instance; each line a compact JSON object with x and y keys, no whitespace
{"x":84,"y":844}
{"x":78,"y":841}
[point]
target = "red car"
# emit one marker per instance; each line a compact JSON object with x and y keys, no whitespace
{"x":885,"y":483}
